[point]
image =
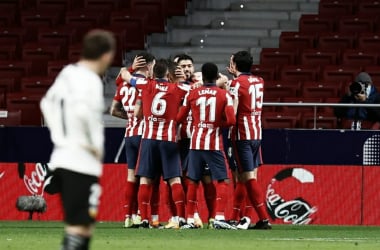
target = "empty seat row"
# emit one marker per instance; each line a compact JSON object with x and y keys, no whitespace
{"x":318,"y":57}
{"x":338,"y":41}
{"x":346,"y":7}
{"x":296,"y":120}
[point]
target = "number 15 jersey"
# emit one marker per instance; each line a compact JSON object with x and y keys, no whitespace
{"x":249,"y":90}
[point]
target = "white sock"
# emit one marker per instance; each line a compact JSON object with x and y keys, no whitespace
{"x":196,"y":215}
{"x":154,"y":217}
{"x":219,"y":217}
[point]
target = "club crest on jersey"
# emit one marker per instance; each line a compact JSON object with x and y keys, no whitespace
{"x":207,"y":92}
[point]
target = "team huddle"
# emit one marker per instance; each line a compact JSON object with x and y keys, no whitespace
{"x":189,"y":128}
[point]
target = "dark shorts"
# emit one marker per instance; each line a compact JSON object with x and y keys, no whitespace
{"x":184,"y":148}
{"x":80,"y":195}
{"x":228,"y":150}
{"x":215,"y":160}
{"x":159,"y":158}
{"x":248,"y":154}
{"x":132,"y":148}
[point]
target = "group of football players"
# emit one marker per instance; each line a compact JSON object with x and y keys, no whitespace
{"x":189,"y":128}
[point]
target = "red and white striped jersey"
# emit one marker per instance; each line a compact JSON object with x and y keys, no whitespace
{"x":212,"y":109}
{"x":160,"y":101}
{"x":249,"y":90}
{"x":127,"y":95}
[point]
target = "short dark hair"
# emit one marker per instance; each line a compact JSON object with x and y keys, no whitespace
{"x":181,"y":57}
{"x":172,"y":67}
{"x":243,"y":61}
{"x":147,"y":56}
{"x":97,"y":43}
{"x":209,"y":72}
{"x":160,"y":69}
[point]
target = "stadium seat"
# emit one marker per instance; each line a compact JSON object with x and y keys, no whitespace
{"x":279,"y":120}
{"x":54,"y":67}
{"x":374,"y":72}
{"x":295,"y":40}
{"x":57,"y":36}
{"x":355,"y":24}
{"x":266,"y":72}
{"x":335,"y":7}
{"x":28,"y":103}
{"x":273,"y":56}
{"x":7,"y":18}
{"x":81,"y":20}
{"x":335,"y":41}
{"x":300,"y":109}
{"x":359,"y":58}
{"x":156,"y":11}
{"x":12,"y":36}
{"x":59,"y":6}
{"x":316,"y":57}
{"x":315,"y":24}
{"x":339,"y":73}
{"x":36,"y":84}
{"x":270,"y":108}
{"x":8,"y":52}
{"x":369,"y":42}
{"x":75,"y":51}
{"x":281,"y":90}
{"x":176,"y":7}
{"x":298,"y":73}
{"x":7,"y":84}
{"x":104,"y":5}
{"x":321,"y":122}
{"x":10,"y":118}
{"x":2,"y":98}
{"x":40,"y":54}
{"x":15,"y":70}
{"x":321,"y":89}
{"x":369,"y":7}
{"x":37,"y":18}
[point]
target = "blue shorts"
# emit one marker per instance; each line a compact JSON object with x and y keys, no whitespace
{"x":228,"y":150}
{"x":248,"y":154}
{"x":159,"y":158}
{"x":214,"y":159}
{"x":184,"y":148}
{"x":132,"y":148}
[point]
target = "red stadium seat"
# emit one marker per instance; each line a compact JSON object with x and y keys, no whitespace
{"x":270,"y":108}
{"x":355,"y":24}
{"x":8,"y":52}
{"x":10,"y":5}
{"x":57,"y":36}
{"x":265,"y":72}
{"x":59,"y":6}
{"x":28,"y":103}
{"x":10,"y":118}
{"x":54,"y":67}
{"x":374,"y":72}
{"x":83,"y":21}
{"x":315,"y":23}
{"x":316,"y":57}
{"x":13,"y":36}
{"x":279,"y":120}
{"x":335,"y":7}
{"x":271,"y":56}
{"x":298,"y":73}
{"x":40,"y":54}
{"x":335,"y":41}
{"x":300,"y":109}
{"x":321,"y":122}
{"x":339,"y":73}
{"x":2,"y":97}
{"x":156,"y":11}
{"x":295,"y":40}
{"x":36,"y":18}
{"x":369,"y":7}
{"x":281,"y":90}
{"x":321,"y":89}
{"x":369,"y":42}
{"x":7,"y":84}
{"x":15,"y":70}
{"x":7,"y":18}
{"x":359,"y":58}
{"x":75,"y":51}
{"x":177,"y":7}
{"x":36,"y":84}
{"x":104,"y":5}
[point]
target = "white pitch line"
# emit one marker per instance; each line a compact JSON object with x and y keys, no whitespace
{"x":321,"y":239}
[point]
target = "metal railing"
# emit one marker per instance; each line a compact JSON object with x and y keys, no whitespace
{"x":315,"y":105}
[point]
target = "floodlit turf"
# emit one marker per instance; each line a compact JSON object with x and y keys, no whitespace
{"x":47,"y":235}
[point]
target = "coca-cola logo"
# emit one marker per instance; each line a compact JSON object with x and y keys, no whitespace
{"x":297,"y":211}
{"x":34,"y":182}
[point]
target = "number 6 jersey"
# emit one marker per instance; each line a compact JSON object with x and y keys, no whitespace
{"x":249,"y":90}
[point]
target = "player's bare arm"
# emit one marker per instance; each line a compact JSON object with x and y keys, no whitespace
{"x":117,"y":110}
{"x":138,"y":109}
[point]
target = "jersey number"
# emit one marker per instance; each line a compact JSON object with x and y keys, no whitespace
{"x":256,"y":92}
{"x":129,"y":96}
{"x":203,"y":102}
{"x":158,"y":105}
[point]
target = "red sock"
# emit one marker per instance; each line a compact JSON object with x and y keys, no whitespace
{"x":155,"y":200}
{"x":255,"y":195}
{"x":248,"y":208}
{"x":239,"y":196}
{"x":221,"y":199}
{"x":185,"y":184}
{"x":191,"y":198}
{"x":130,"y":197}
{"x":167,"y":193}
{"x":210,"y":197}
{"x":179,"y":199}
{"x":144,"y":196}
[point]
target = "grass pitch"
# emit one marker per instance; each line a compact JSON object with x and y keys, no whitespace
{"x":47,"y":235}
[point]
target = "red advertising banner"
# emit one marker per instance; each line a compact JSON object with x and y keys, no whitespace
{"x":295,"y":194}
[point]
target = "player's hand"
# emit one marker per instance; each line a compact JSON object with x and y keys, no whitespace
{"x":138,"y":62}
{"x":222,"y":81}
{"x":231,"y":69}
{"x":180,"y":74}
